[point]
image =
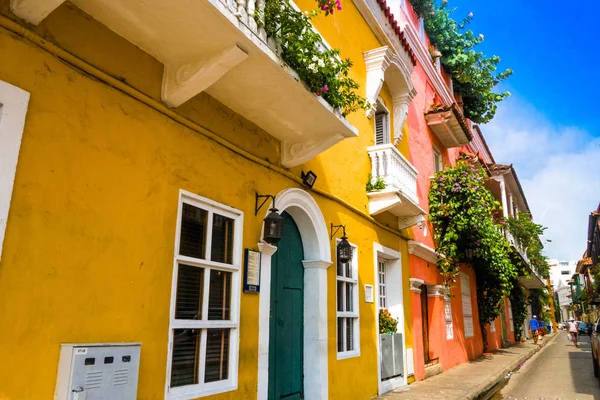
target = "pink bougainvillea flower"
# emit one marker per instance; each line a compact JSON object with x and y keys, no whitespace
{"x":324,"y":89}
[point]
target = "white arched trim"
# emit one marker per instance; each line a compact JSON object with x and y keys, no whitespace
{"x":385,"y":66}
{"x":317,"y":258}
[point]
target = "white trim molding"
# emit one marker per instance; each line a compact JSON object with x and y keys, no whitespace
{"x":415,"y":284}
{"x":383,"y":65}
{"x":317,"y":252}
{"x":395,"y":305}
{"x":13,"y":109}
{"x":422,"y":251}
{"x":437,"y":291}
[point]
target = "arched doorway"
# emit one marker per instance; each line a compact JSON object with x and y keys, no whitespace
{"x":287,"y":312}
{"x":304,"y":212}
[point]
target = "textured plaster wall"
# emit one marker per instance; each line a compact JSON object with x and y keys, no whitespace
{"x":88,"y":254}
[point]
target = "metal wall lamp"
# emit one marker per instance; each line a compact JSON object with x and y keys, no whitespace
{"x":308,"y":178}
{"x":273,"y":231}
{"x":344,"y":249}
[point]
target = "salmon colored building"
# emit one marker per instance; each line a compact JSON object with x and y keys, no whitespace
{"x":445,"y":326}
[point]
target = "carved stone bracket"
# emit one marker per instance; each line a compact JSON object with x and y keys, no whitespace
{"x":400,"y":106}
{"x":183,"y":81}
{"x":422,"y":251}
{"x":296,"y":153}
{"x":415,"y":284}
{"x":437,"y":291}
{"x":407,"y":222}
{"x":34,"y":11}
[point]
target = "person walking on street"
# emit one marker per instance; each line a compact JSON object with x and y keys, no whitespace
{"x":573,"y":330}
{"x":534,"y":325}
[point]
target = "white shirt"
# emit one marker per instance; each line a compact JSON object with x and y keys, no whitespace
{"x":573,"y":326}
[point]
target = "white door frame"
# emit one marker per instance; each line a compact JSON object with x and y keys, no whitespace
{"x":317,"y":258}
{"x":395,"y":302}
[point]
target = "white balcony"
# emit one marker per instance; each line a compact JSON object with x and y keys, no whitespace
{"x":533,"y":281}
{"x":400,"y":194}
{"x":217,"y":47}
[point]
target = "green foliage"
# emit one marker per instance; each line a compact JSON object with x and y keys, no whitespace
{"x":375,"y":184}
{"x":519,"y":308}
{"x":527,"y":234}
{"x":423,"y":7}
{"x":303,"y":50}
{"x":387,"y":323}
{"x":461,"y":210}
{"x":474,"y":75}
{"x":542,"y":298}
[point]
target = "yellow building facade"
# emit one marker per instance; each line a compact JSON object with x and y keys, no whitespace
{"x":105,"y":182}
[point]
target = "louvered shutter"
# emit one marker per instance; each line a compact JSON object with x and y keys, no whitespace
{"x":465,"y":289}
{"x":381,"y":136}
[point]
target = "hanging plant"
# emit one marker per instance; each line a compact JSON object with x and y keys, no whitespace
{"x":461,"y":211}
{"x":375,"y":184}
{"x":321,"y":69}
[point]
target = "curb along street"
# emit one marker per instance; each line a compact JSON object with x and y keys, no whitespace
{"x":486,"y":387}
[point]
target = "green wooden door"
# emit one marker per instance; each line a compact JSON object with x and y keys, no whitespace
{"x":286,"y":323}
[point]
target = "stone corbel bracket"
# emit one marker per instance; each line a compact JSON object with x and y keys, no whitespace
{"x":407,"y":222}
{"x":181,"y":82}
{"x":296,"y":153}
{"x":416,"y":284}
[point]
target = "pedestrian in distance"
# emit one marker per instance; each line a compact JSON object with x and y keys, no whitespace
{"x":534,"y":326}
{"x":573,"y":325}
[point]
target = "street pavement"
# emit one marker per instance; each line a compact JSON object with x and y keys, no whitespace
{"x":560,"y":371}
{"x":472,"y":380}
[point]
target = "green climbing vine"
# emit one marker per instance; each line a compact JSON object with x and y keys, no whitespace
{"x":518,"y":302}
{"x":527,"y":234}
{"x":461,"y":211}
{"x":475,"y":76}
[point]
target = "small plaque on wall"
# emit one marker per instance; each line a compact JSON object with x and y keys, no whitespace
{"x":368,"y":293}
{"x":251,"y":271}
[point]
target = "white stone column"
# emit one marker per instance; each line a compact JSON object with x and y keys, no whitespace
{"x":316,"y":373}
{"x":503,"y":194}
{"x":266,"y":252}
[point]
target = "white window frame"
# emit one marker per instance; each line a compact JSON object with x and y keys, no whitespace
{"x":448,"y":317}
{"x":467,"y":311}
{"x":13,"y":110}
{"x":231,"y":383}
{"x":382,"y":295}
{"x":438,"y":163}
{"x":355,"y":315}
{"x":382,"y":109}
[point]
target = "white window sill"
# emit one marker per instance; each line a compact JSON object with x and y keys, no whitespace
{"x":348,"y":354}
{"x":195,"y":391}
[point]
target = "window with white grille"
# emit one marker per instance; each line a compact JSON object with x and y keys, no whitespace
{"x":381,"y":272}
{"x":465,"y":291}
{"x":448,"y":316}
{"x":382,"y":124}
{"x":348,"y":341}
{"x":203,"y":341}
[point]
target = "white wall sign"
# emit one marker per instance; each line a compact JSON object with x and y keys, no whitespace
{"x":368,"y":293}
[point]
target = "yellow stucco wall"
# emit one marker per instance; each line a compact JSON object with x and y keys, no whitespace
{"x":88,"y":253}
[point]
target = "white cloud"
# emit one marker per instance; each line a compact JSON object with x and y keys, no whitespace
{"x":559,"y":169}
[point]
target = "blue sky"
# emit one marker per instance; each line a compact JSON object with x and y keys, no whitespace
{"x":550,"y":127}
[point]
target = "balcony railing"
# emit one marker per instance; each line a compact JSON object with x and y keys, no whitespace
{"x":400,"y":194}
{"x":388,"y":163}
{"x":534,"y":280}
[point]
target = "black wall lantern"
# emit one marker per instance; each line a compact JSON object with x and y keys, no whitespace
{"x":344,"y":249}
{"x":273,"y":231}
{"x":308,"y":178}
